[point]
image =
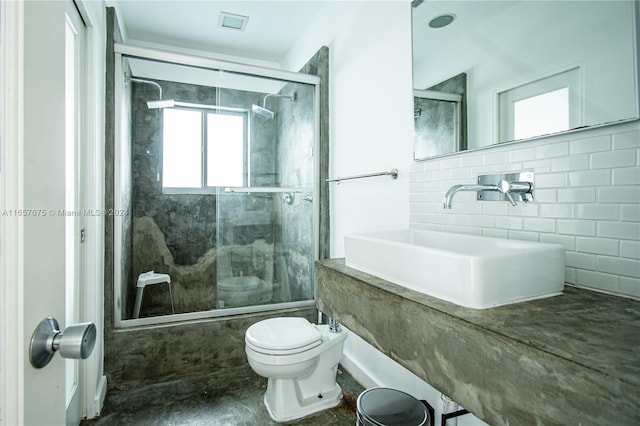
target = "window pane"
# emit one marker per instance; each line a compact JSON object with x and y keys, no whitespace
{"x":182,"y":149}
{"x":542,"y":114}
{"x":225,"y":150}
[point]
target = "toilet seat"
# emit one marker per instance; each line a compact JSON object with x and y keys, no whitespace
{"x":240,"y":284}
{"x":282,"y":336}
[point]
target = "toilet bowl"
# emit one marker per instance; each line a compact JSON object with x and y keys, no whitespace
{"x":243,"y":291}
{"x":300,"y":361}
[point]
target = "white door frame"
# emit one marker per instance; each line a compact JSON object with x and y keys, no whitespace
{"x":13,"y":334}
{"x":12,"y":353}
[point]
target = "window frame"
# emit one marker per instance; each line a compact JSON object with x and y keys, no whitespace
{"x":570,"y":79}
{"x":204,"y":111}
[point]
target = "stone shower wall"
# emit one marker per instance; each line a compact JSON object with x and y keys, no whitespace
{"x":180,"y":230}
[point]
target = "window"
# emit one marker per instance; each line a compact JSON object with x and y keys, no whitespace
{"x":203,"y":149}
{"x":544,"y":106}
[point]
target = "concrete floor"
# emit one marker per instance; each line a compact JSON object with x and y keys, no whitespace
{"x":233,"y":397}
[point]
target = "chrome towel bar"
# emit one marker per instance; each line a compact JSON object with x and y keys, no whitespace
{"x":393,"y":173}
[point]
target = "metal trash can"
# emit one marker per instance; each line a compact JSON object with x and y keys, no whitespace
{"x":389,"y":407}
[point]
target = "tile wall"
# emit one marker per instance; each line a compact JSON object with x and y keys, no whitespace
{"x":587,"y":198}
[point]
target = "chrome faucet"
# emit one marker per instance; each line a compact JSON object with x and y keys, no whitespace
{"x":504,"y":187}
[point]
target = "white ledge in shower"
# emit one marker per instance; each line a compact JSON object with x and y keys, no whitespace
{"x":468,"y":270}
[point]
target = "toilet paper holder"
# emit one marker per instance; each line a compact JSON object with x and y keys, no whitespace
{"x":76,"y":342}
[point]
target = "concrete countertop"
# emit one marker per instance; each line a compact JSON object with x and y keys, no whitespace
{"x":562,"y":341}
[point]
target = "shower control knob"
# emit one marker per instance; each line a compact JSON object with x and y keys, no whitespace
{"x":76,"y":342}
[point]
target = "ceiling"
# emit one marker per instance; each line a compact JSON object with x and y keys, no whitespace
{"x":271,"y":31}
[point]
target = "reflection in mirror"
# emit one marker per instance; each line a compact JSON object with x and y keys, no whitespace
{"x":576,"y":58}
{"x":440,"y":118}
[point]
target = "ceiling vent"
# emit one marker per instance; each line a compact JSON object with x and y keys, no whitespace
{"x":232,"y":22}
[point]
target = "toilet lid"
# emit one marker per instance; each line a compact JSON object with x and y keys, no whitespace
{"x":246,"y":283}
{"x":278,"y":335}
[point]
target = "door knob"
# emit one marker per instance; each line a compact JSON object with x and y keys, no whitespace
{"x":76,"y":342}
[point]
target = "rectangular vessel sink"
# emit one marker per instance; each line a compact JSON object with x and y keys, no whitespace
{"x":468,"y":270}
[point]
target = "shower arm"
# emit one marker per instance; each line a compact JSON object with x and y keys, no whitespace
{"x":292,"y":98}
{"x":140,"y":80}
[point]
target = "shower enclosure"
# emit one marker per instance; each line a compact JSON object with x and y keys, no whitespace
{"x":216,"y":187}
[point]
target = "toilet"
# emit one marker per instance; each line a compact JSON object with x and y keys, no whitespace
{"x":300,"y":361}
{"x":243,"y":291}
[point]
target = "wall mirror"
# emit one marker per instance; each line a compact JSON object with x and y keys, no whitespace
{"x":532,"y":68}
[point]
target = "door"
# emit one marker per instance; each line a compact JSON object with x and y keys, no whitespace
{"x":41,"y":252}
{"x":74,"y":235}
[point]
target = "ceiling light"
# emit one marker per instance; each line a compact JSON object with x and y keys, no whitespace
{"x":232,"y":22}
{"x":442,"y":20}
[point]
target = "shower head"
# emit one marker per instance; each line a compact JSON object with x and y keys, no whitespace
{"x":161,"y":103}
{"x":156,"y":104}
{"x":263,"y":111}
{"x":257,"y":109}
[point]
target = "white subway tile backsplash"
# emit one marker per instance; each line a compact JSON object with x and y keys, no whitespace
{"x":597,"y":246}
{"x":524,"y":236}
{"x":576,"y":195}
{"x":630,"y":249}
{"x":597,"y":280}
{"x":461,"y":173}
{"x":496,"y":233}
{"x":588,"y":145}
{"x":551,"y":180}
{"x":600,"y":177}
{"x":565,"y":164}
{"x":496,"y":158}
{"x":620,"y":230}
{"x":619,"y":194}
{"x":577,"y":227}
{"x":611,"y":159}
{"x":494,"y":208}
{"x":545,"y":195}
{"x":431,"y":165}
{"x":562,"y":211}
{"x":508,"y":222}
{"x":626,"y":140}
{"x":568,"y":241}
{"x":539,"y":225}
{"x":483,"y":170}
{"x":540,"y":166}
{"x":580,"y":260}
{"x":441,"y":174}
{"x":586,"y":198}
{"x":524,"y":209}
{"x":630,"y":286}
{"x":522,"y":154}
{"x":626,"y":176}
{"x":630,"y":212}
{"x":472,"y":160}
{"x":618,"y":266}
{"x":552,"y":150}
{"x":471,"y":208}
{"x":597,"y":211}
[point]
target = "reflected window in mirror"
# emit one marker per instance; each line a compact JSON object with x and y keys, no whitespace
{"x":549,"y":105}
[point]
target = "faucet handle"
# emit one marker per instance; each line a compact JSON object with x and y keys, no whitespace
{"x":510,"y":198}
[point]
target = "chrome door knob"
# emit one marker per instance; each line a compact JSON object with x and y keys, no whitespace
{"x":76,"y":342}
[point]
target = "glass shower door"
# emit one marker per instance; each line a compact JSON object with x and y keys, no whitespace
{"x":267,"y":227}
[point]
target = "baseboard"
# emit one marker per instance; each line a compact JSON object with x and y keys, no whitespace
{"x":101,"y":394}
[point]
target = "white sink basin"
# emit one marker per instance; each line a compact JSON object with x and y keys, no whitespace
{"x":468,"y":270}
